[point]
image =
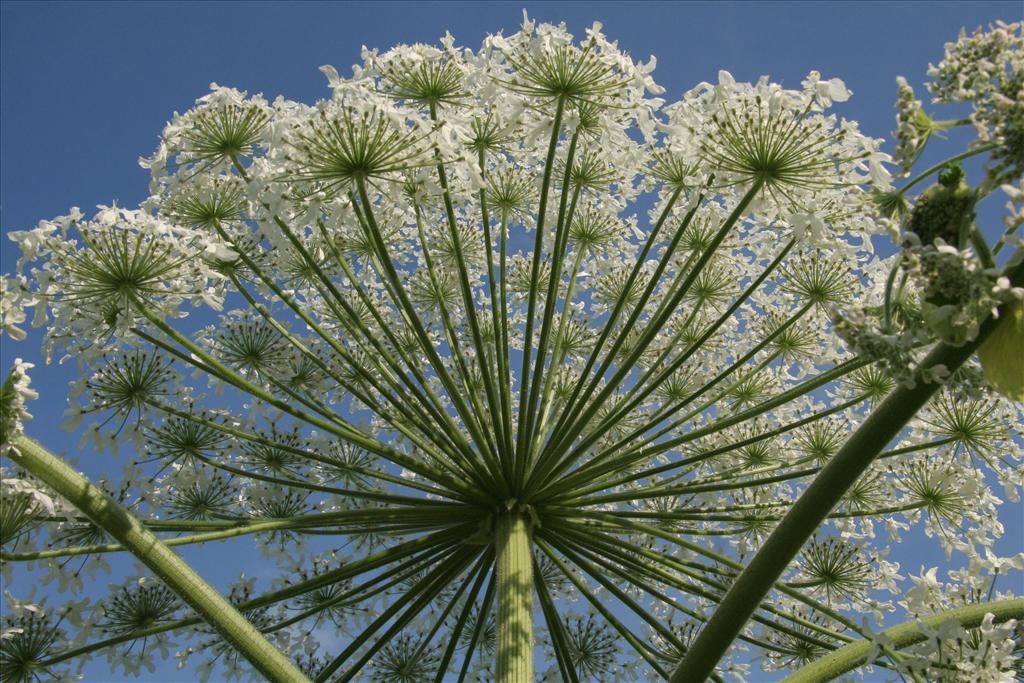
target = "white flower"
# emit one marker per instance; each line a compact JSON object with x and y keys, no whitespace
{"x":15,"y":393}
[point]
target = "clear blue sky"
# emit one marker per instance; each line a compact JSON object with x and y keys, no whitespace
{"x":87,"y":87}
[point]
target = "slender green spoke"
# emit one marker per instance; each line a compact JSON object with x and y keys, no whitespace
{"x":306,"y":454}
{"x":468,"y":416}
{"x":360,"y":440}
{"x":550,"y":302}
{"x":414,"y":600}
{"x":485,"y":608}
{"x":401,"y":404}
{"x":699,"y":575}
{"x":592,"y":469}
{"x":569,"y":411}
{"x":645,"y":385}
{"x":451,"y":335}
{"x":638,"y":646}
{"x":559,"y":446}
{"x":932,"y":170}
{"x":453,"y":343}
{"x":481,"y":569}
{"x":470,"y":603}
{"x":633,"y":570}
{"x":347,"y":433}
{"x":361,"y":332}
{"x":599,"y":576}
{"x":506,"y":373}
{"x":390,"y":578}
{"x":670,"y":410}
{"x":335,"y":297}
{"x":555,"y":626}
{"x":580,"y":397}
{"x":498,"y":318}
{"x":522,"y":438}
{"x":421,"y":388}
{"x":557,"y":353}
{"x":676,"y":539}
{"x":378,"y":517}
{"x":467,"y":295}
{"x":705,"y":455}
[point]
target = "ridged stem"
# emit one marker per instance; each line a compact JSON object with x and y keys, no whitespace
{"x":169,"y":567}
{"x":515,"y":598}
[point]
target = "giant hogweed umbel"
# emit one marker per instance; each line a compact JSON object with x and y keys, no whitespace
{"x":517,"y":370}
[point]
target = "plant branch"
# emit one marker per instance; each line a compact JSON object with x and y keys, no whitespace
{"x":859,"y":451}
{"x":151,"y":551}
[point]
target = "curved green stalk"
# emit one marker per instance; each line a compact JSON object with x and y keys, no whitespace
{"x":856,"y":654}
{"x":155,"y":554}
{"x":859,"y":451}
{"x":923,"y":175}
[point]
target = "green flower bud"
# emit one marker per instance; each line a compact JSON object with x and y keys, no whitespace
{"x":944,"y":210}
{"x":1001,"y":358}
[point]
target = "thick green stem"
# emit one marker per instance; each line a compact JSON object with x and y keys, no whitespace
{"x":855,"y":654}
{"x":171,"y":569}
{"x":515,"y":598}
{"x":824,"y":493}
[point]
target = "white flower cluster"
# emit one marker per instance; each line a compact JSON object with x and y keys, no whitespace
{"x":510,"y":280}
{"x":957,"y":293}
{"x":13,"y":396}
{"x":986,"y":69}
{"x":989,"y":652}
{"x":913,"y":126}
{"x":95,"y":274}
{"x":14,"y":299}
{"x":812,"y":166}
